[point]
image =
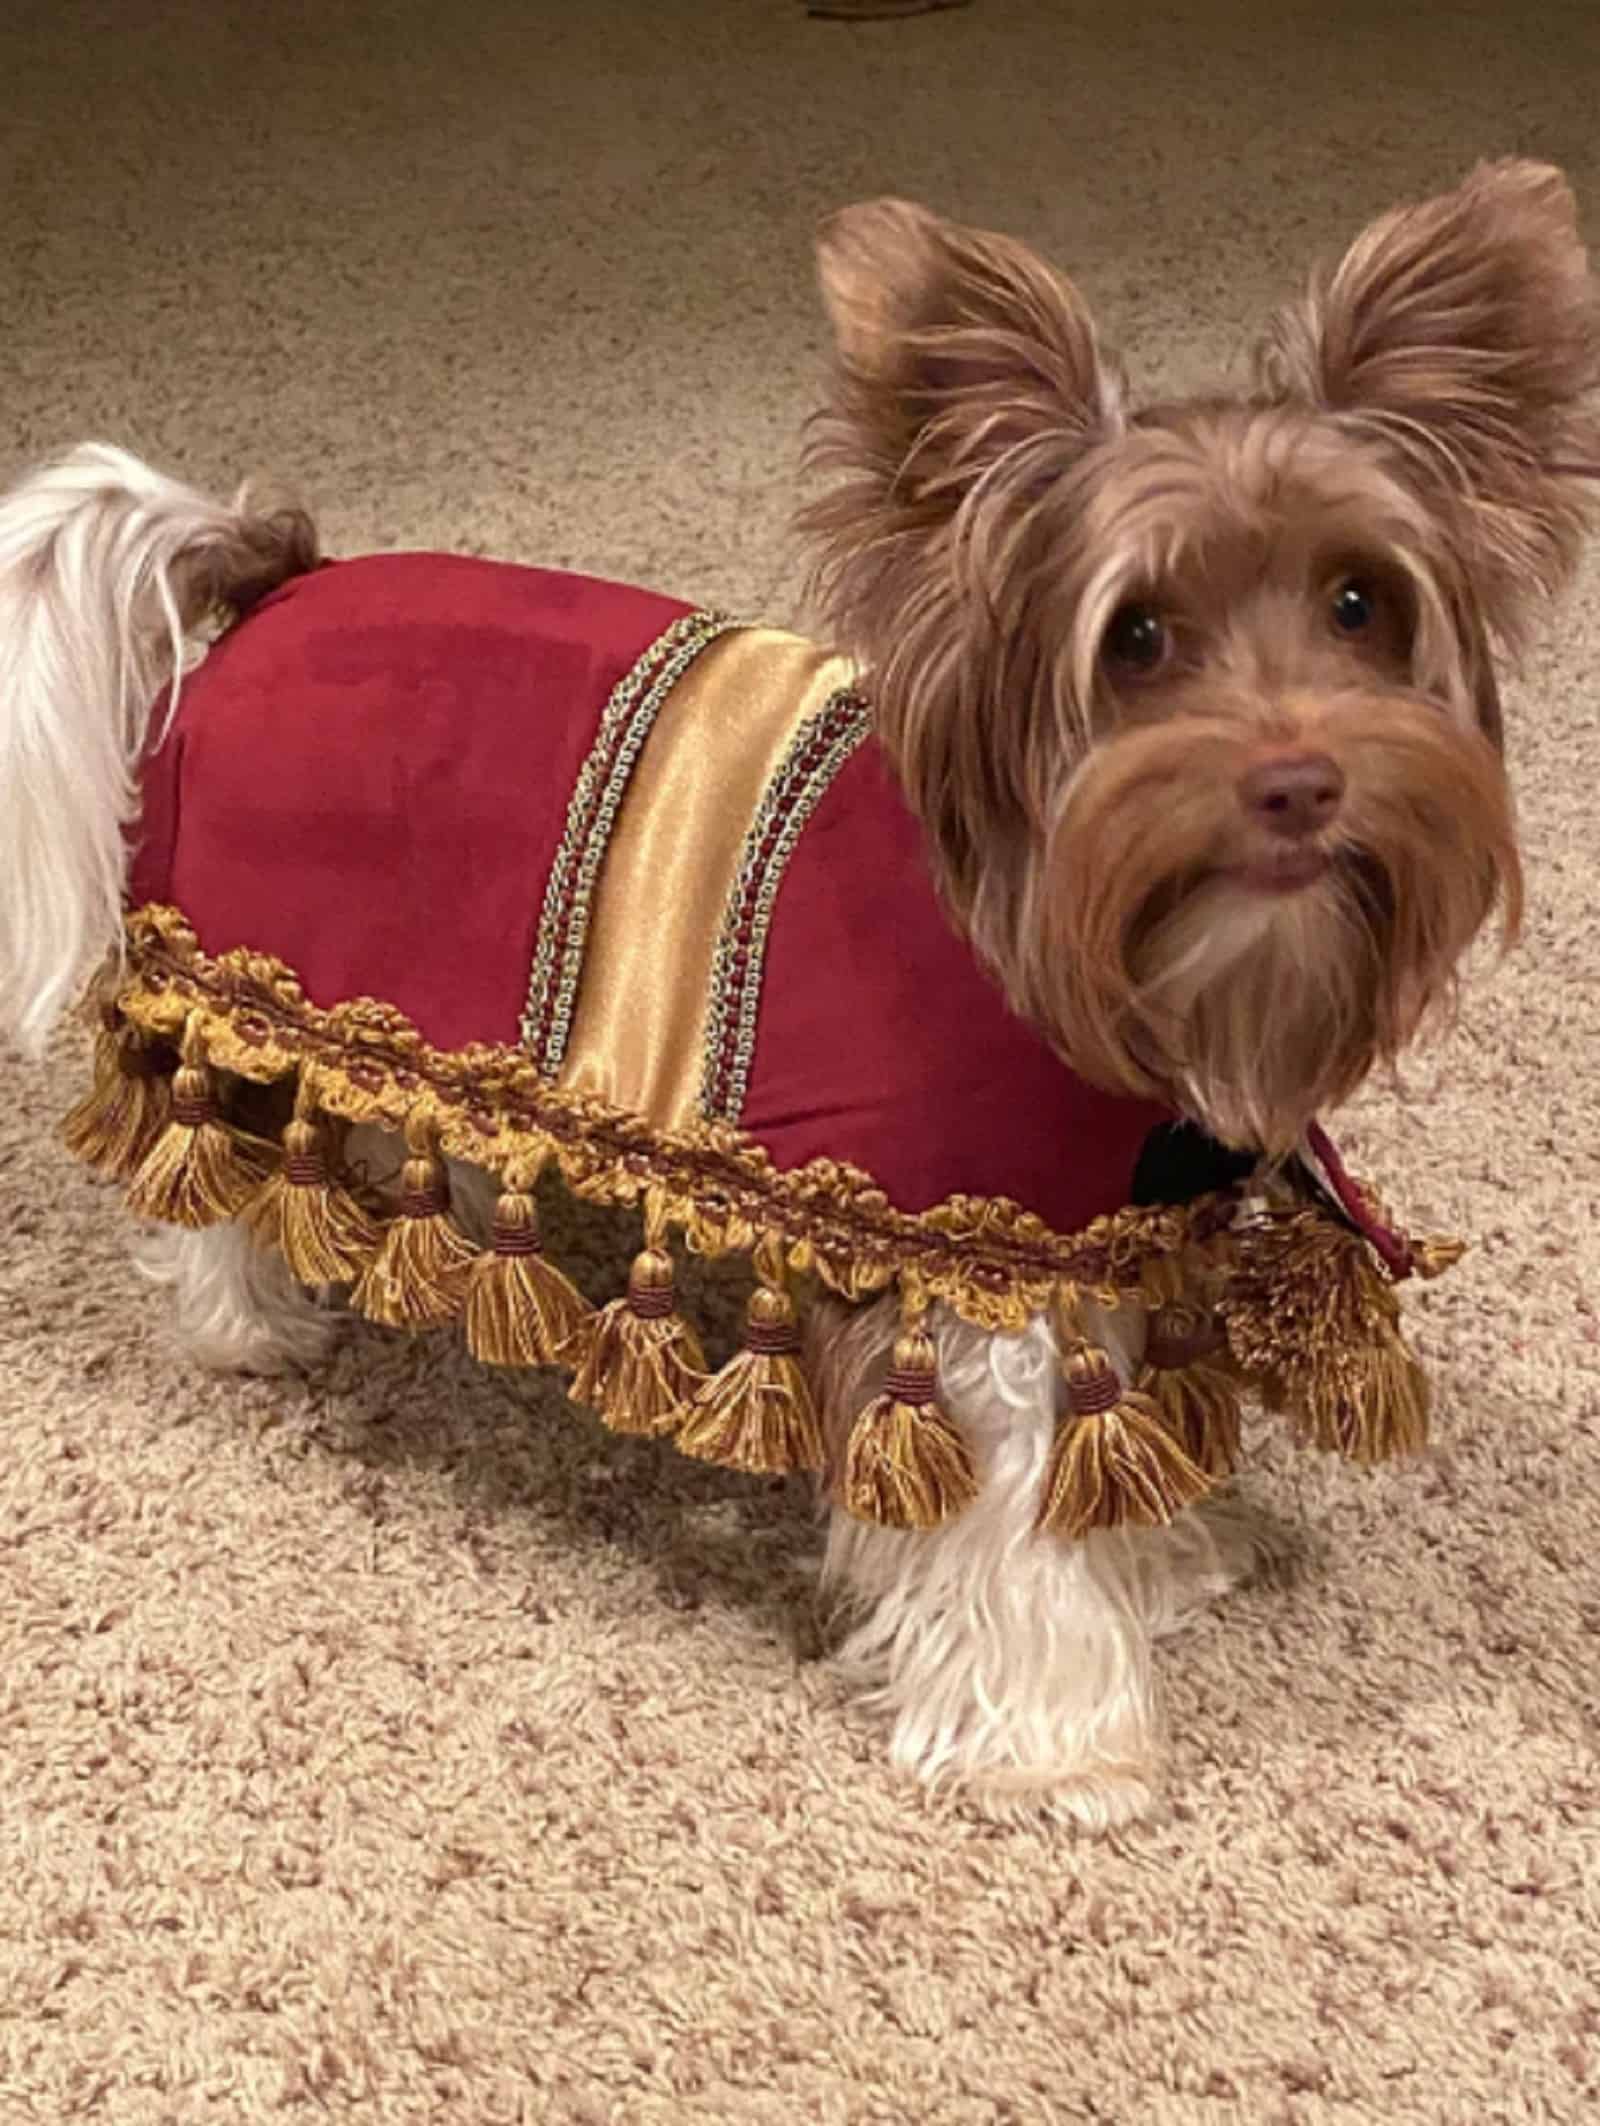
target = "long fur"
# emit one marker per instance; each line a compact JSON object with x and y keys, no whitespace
{"x":1264,"y":1010}
{"x":106,"y":570}
{"x":235,"y":1307}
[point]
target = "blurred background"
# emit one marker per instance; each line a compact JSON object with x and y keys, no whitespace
{"x":535,"y":275}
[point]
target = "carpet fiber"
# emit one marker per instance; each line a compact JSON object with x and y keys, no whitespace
{"x":392,"y":1745}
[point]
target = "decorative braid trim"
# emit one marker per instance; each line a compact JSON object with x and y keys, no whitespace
{"x":821,"y":746}
{"x":625,"y":723}
{"x":491,"y":1106}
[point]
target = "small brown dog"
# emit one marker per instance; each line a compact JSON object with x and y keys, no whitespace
{"x":1197,"y":700}
{"x":1195,"y":705}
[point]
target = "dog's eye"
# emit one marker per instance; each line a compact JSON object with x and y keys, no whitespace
{"x":1137,"y":639}
{"x":1354,"y":606}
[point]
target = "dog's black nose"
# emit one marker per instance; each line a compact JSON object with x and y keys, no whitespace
{"x":1293,"y":794}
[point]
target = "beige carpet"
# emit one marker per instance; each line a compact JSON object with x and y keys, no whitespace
{"x":392,"y":1746}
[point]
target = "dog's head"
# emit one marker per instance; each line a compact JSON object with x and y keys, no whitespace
{"x":1196,"y":702}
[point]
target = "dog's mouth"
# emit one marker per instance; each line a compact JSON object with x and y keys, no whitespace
{"x":1279,"y":871}
{"x":1270,"y":874}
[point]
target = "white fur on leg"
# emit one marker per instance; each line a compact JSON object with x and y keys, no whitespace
{"x":235,"y":1306}
{"x":1010,"y":1662}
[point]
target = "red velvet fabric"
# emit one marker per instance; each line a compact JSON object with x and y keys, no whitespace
{"x":369,"y":779}
{"x":882,"y":1041}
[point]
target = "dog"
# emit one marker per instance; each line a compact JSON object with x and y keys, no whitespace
{"x":1193,"y":710}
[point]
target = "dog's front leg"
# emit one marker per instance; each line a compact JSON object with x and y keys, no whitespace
{"x":1009,"y":1662}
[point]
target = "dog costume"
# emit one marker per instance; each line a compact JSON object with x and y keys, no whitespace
{"x":556,"y":876}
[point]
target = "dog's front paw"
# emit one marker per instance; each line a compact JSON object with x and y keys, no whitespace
{"x":1097,"y":1774}
{"x":1094,"y":1795}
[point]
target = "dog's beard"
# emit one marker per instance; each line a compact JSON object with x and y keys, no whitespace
{"x":1259,"y":1011}
{"x":1165,"y":969}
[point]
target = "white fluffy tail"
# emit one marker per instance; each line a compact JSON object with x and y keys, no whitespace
{"x":106,"y":568}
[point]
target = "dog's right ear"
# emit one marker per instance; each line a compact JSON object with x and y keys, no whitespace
{"x":967,"y":381}
{"x":956,"y":350}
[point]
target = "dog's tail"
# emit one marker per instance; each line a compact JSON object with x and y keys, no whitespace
{"x":107,"y":569}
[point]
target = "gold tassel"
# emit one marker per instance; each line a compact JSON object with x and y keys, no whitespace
{"x":520,"y":1308}
{"x":1435,"y":1253}
{"x":1311,"y":1316}
{"x":199,"y":1171}
{"x":418,"y":1278}
{"x":113,"y":1127}
{"x":1114,"y":1461}
{"x":1187,"y":1377}
{"x":905,"y":1464}
{"x":637,"y":1362}
{"x":315,"y":1224}
{"x":758,"y":1414}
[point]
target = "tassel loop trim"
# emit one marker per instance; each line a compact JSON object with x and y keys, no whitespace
{"x":652,"y":1285}
{"x":905,"y":1464}
{"x":777,"y":1337}
{"x":420,"y":1275}
{"x":636,"y":1362}
{"x":758,"y":1413}
{"x":1114,"y":1460}
{"x":1182,"y":1336}
{"x":1189,"y":1378}
{"x":1311,"y":1323}
{"x":129,"y":1102}
{"x":199,"y":1172}
{"x":1312,"y":1319}
{"x":521,"y":1309}
{"x":1092,"y":1383}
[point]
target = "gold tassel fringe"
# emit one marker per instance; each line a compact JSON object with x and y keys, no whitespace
{"x":757,"y":1414}
{"x":113,"y":1127}
{"x":520,"y":1308}
{"x":316,"y":1224}
{"x":637,"y":1362}
{"x":199,"y":1171}
{"x":1114,"y":1461}
{"x":1187,"y":1377}
{"x":1313,"y":1319}
{"x":418,"y":1279}
{"x":905,"y":1464}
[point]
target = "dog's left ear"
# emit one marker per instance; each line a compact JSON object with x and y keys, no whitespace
{"x":1465,"y":331}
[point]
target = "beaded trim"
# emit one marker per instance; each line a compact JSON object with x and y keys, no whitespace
{"x":820,"y":748}
{"x":625,"y":724}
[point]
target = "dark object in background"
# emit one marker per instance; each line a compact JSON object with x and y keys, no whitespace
{"x":876,"y":10}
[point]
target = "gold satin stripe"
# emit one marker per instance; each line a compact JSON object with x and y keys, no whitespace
{"x":639,"y":1025}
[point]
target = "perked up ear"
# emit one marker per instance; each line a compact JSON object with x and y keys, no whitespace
{"x":955,"y":349}
{"x":967,"y":381}
{"x":1466,"y":332}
